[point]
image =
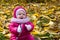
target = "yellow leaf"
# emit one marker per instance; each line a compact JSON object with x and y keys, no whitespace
{"x":1,"y":29}
{"x":7,"y":11}
{"x":35,"y":32}
{"x":8,"y":35}
{"x":46,"y":28}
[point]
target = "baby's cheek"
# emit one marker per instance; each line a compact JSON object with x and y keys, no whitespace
{"x":25,"y":16}
{"x":18,"y":17}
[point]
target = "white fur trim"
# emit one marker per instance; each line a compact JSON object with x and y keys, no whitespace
{"x":27,"y":19}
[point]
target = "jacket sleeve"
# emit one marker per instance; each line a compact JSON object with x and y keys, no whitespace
{"x":13,"y":37}
{"x":32,"y":26}
{"x":12,"y":28}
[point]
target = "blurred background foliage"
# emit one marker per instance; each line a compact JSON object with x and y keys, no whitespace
{"x":45,"y":14}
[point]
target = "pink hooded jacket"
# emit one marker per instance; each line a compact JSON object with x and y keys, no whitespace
{"x":25,"y":34}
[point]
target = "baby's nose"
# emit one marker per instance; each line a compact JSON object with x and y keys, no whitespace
{"x":22,"y":18}
{"x":21,"y":15}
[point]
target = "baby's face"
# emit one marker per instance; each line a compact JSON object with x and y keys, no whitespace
{"x":21,"y":15}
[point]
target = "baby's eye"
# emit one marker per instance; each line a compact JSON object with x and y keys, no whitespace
{"x":23,"y":14}
{"x":19,"y":14}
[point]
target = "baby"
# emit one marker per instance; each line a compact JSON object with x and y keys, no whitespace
{"x":20,"y":26}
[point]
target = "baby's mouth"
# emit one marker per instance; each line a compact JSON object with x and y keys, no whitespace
{"x":21,"y":18}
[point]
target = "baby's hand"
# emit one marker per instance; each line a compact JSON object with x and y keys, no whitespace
{"x":28,"y":27}
{"x":19,"y":29}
